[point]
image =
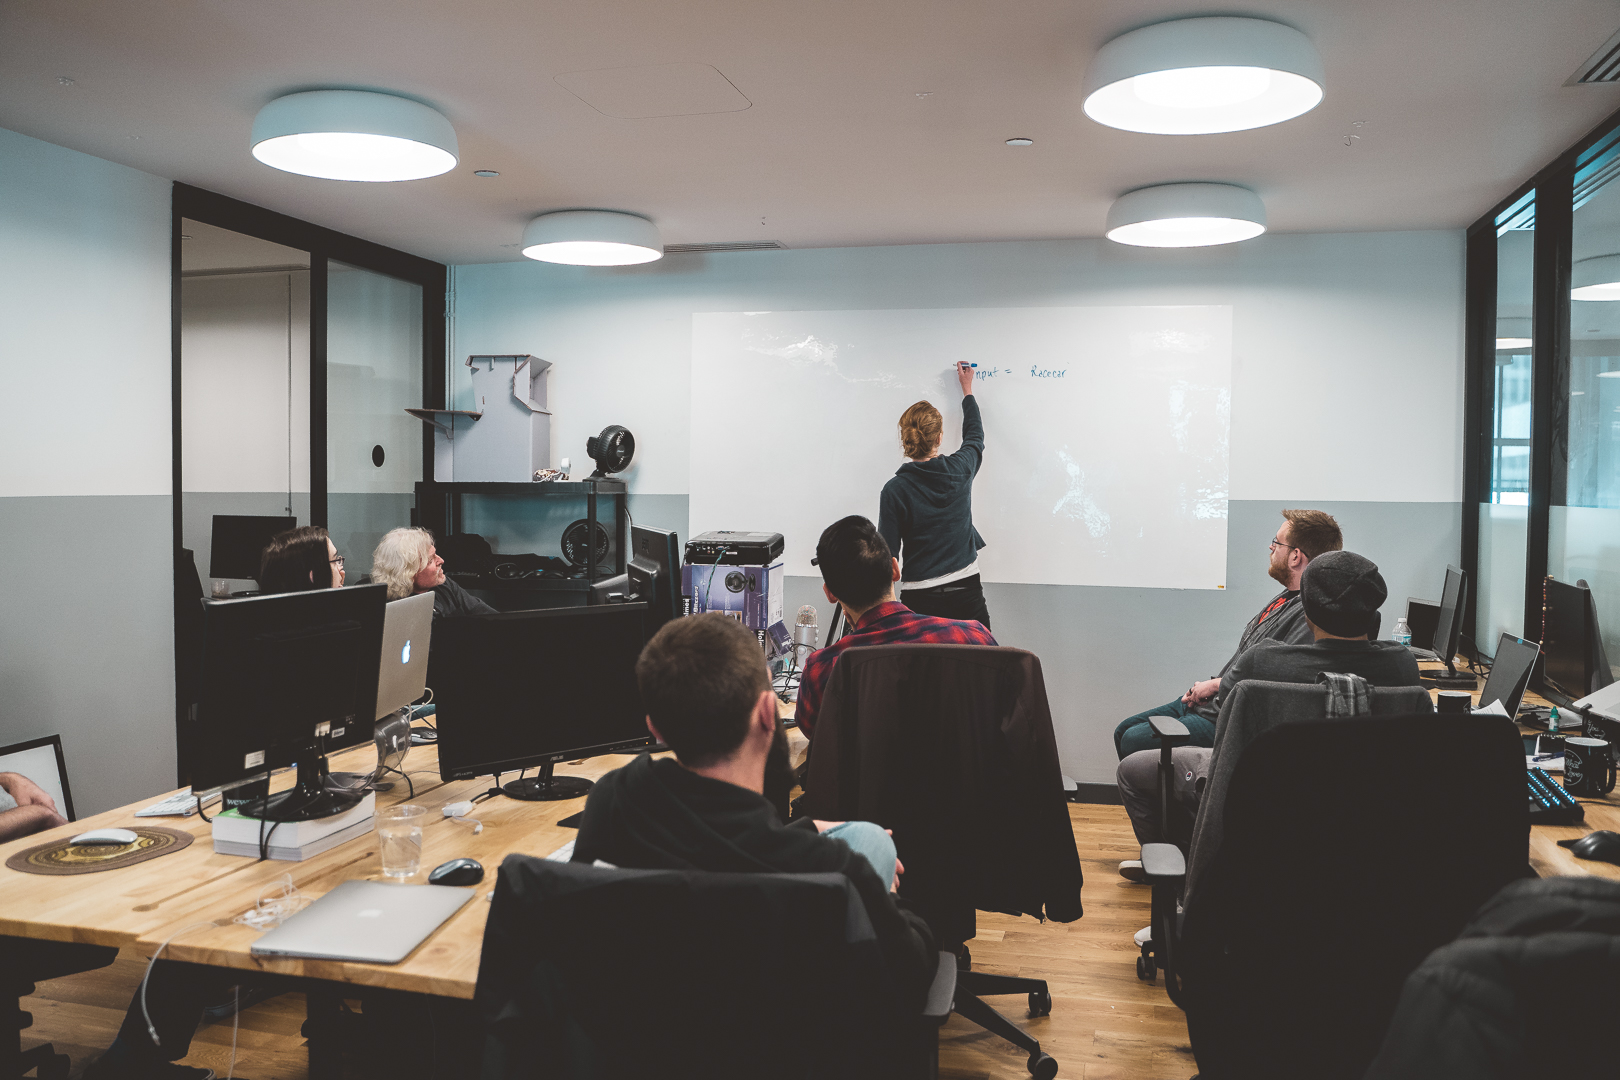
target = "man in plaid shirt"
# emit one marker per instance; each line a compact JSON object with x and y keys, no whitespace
{"x":858,"y":572}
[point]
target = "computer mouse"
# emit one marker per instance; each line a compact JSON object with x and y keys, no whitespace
{"x":457,"y":872}
{"x":105,"y":836}
{"x":1602,"y":845}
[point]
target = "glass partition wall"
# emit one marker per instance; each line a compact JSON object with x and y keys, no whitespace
{"x":1583,"y":529}
{"x":296,"y":352}
{"x":1504,"y":512}
{"x":1542,"y":464}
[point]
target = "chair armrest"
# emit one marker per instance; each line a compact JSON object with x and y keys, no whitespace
{"x":1163,"y":862}
{"x":942,"y":992}
{"x":1168,"y":728}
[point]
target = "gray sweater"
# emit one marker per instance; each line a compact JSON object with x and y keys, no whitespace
{"x":926,"y":508}
{"x":1285,"y":624}
{"x":1381,"y":663}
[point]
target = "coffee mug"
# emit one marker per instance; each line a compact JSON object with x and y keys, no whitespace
{"x":1454,"y":701}
{"x":1588,"y":767}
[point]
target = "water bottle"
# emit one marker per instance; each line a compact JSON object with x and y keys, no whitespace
{"x":1402,"y":632}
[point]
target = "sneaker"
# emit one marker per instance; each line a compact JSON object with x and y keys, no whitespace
{"x":1131,"y":870}
{"x":1143,"y":936}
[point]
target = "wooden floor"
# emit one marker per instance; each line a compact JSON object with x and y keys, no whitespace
{"x":1105,"y":1023}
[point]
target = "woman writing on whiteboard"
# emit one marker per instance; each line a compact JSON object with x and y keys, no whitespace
{"x":926,"y":512}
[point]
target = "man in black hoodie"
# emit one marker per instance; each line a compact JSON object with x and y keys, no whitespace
{"x":708,"y":697}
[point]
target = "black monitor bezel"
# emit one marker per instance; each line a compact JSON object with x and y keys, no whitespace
{"x":283,"y":522}
{"x":223,"y":651}
{"x":449,"y":769}
{"x":1447,"y":649}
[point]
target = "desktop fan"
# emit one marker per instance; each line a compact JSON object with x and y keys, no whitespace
{"x":611,"y":450}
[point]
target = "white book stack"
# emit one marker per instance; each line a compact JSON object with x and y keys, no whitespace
{"x":291,"y":841}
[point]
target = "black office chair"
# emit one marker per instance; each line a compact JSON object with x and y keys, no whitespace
{"x":24,"y":962}
{"x":607,"y":974}
{"x":951,"y":747}
{"x":1524,"y":993}
{"x":1348,"y":849}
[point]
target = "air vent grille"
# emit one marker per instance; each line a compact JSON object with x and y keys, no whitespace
{"x":1602,"y":66}
{"x":732,"y":245}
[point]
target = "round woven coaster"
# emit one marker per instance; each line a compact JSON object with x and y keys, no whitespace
{"x":60,"y":857}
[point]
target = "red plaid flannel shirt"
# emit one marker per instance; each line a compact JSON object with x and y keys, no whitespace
{"x":891,"y":622}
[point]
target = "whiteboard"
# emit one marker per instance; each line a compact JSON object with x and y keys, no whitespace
{"x":1106,"y":431}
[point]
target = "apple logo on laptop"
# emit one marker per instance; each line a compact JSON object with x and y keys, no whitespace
{"x":405,"y":653}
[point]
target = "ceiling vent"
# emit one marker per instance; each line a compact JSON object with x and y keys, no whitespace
{"x":733,"y":245}
{"x":1602,"y":66}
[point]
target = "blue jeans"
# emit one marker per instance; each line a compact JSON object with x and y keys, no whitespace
{"x":1135,"y":733}
{"x":868,"y":840}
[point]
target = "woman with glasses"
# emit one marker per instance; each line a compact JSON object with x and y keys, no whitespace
{"x":299,"y":560}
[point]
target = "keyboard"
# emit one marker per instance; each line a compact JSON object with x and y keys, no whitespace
{"x":180,"y":804}
{"x":1550,"y":804}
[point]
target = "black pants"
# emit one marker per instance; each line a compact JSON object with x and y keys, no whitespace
{"x":955,"y":600}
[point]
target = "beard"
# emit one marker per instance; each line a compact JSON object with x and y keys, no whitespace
{"x":1279,"y":574}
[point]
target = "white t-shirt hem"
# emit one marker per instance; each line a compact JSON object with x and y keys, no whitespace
{"x":944,"y":579}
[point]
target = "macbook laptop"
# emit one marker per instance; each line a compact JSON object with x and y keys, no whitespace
{"x":374,"y":922}
{"x":407,"y":631}
{"x":1510,"y":673}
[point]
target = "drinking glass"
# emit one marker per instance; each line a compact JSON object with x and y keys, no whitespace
{"x":399,"y":839}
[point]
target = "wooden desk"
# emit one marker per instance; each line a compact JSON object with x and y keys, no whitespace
{"x":143,"y":905}
{"x":1546,"y":857}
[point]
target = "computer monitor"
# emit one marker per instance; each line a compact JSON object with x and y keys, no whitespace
{"x":527,"y":689}
{"x":1510,"y":673}
{"x":1423,"y":617}
{"x":285,"y":679}
{"x":1574,"y":662}
{"x":654,"y":569}
{"x":1448,"y":626}
{"x":238,"y":542}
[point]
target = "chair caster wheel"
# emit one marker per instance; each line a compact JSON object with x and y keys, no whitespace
{"x":1146,"y":969}
{"x":1042,"y":1066}
{"x":964,"y":961}
{"x":1040,"y":1003}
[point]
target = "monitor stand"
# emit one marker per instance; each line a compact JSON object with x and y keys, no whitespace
{"x":547,"y":787}
{"x":307,"y":800}
{"x":1450,"y":679}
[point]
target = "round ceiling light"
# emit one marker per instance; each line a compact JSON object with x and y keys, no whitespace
{"x":1202,"y":76}
{"x":1186,"y":215}
{"x":592,"y":238}
{"x":1595,"y":279}
{"x":354,"y":135}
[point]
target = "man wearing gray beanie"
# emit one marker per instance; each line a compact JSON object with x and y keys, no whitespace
{"x":1341,"y":592}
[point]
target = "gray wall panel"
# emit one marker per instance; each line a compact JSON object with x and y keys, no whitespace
{"x":87,"y":641}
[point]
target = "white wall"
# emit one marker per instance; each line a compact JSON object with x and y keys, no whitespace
{"x":86,"y":614}
{"x":1348,"y":366}
{"x":244,"y":403}
{"x":1346,"y":395}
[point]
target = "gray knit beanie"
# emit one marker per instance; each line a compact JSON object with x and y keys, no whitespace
{"x":1341,"y":591}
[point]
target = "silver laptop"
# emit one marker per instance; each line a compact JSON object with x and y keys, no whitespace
{"x":374,"y":922}
{"x":407,"y":631}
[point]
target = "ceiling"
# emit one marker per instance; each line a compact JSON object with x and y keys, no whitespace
{"x":865,"y":123}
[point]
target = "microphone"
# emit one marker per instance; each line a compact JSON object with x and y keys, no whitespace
{"x":804,"y":634}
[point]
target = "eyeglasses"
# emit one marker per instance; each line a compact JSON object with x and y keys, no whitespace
{"x":337,"y":562}
{"x":1285,"y":547}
